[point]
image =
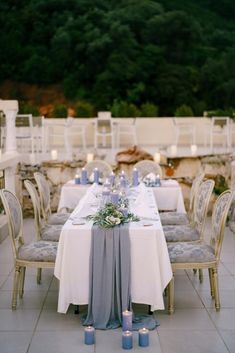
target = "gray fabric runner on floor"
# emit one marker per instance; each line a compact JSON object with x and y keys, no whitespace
{"x":109,"y":277}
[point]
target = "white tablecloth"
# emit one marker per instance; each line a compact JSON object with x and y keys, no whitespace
{"x":168,"y":196}
{"x":150,"y":264}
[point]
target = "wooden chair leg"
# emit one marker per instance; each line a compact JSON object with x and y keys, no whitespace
{"x":15,"y":287}
{"x":216,"y":289}
{"x":170,"y":291}
{"x":21,"y":285}
{"x":211,"y":283}
{"x":39,"y":275}
{"x":200,"y":275}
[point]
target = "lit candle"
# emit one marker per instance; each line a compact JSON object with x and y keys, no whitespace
{"x":96,"y":175}
{"x":54,"y":155}
{"x":127,"y":340}
{"x":157,"y":157}
{"x":143,"y":337}
{"x":77,"y":179}
{"x":89,"y":335}
{"x":89,"y":157}
{"x":135,"y":177}
{"x":126,"y":320}
{"x":114,"y":197}
{"x":158,"y":180}
{"x":32,"y":158}
{"x":193,"y":149}
{"x":123,"y":174}
{"x":83,"y":176}
{"x":173,"y":150}
{"x":112,"y":178}
{"x":123,"y":182}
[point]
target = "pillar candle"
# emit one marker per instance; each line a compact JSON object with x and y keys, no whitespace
{"x":114,"y":197}
{"x":96,"y":175}
{"x":89,"y":157}
{"x":83,"y":176}
{"x":127,"y":340}
{"x":143,"y":337}
{"x":157,"y":157}
{"x":122,"y":182}
{"x":77,"y":179}
{"x":157,"y":180}
{"x":112,"y":178}
{"x":193,"y":149}
{"x":54,"y":155}
{"x":135,"y":177}
{"x":126,"y":320}
{"x":89,"y":335}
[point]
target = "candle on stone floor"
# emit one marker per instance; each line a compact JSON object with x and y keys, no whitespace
{"x":89,"y":335}
{"x":54,"y":155}
{"x":143,"y":337}
{"x":127,"y":340}
{"x":126,"y":320}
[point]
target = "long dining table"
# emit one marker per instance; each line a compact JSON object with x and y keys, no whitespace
{"x":150,"y":263}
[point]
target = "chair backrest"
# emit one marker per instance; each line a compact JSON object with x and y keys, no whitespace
{"x":147,"y":166}
{"x":44,"y":194}
{"x":193,"y":191}
{"x":14,"y":215}
{"x":30,"y":187}
{"x":219,"y":216}
{"x":202,"y":200}
{"x":104,"y":168}
{"x":221,"y":122}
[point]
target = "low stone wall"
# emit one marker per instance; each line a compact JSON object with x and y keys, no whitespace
{"x":182,"y":169}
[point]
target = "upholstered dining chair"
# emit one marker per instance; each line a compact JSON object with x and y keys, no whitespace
{"x":44,"y":231}
{"x":146,"y":167}
{"x":44,"y":194}
{"x":104,"y":168}
{"x":178,"y":218}
{"x":184,"y":255}
{"x":194,"y":231}
{"x":38,"y":254}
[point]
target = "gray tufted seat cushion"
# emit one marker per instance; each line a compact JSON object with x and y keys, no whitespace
{"x":42,"y":251}
{"x":51,"y":232}
{"x":58,"y":218}
{"x":174,"y":218}
{"x":180,"y":233}
{"x":190,"y":253}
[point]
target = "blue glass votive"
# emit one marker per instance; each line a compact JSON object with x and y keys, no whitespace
{"x":112,"y":178}
{"x":114,"y":197}
{"x":77,"y":179}
{"x":135,"y":177}
{"x":123,"y":182}
{"x":96,"y":175}
{"x":84,"y":176}
{"x":126,"y":320}
{"x":89,"y":337}
{"x":127,"y":340}
{"x":157,"y":180}
{"x":143,"y":337}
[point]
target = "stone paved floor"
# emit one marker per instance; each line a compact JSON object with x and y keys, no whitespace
{"x":36,"y":327}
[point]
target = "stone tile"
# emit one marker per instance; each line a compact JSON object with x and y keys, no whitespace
{"x":224,"y":319}
{"x":229,"y":339}
{"x":225,"y":283}
{"x":18,"y":320}
{"x":226,"y":299}
{"x":12,"y":342}
{"x":230,"y":266}
{"x":50,"y":320}
{"x":183,"y":283}
{"x":191,"y":341}
{"x":185,"y":319}
{"x":30,"y":300}
{"x":187,"y":299}
{"x":3,"y":279}
{"x":51,"y":301}
{"x":60,"y":342}
{"x":6,"y":269}
{"x":30,"y":283}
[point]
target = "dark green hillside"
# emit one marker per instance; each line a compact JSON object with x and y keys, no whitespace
{"x":165,"y":52}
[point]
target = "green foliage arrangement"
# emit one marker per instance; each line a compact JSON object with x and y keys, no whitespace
{"x":59,"y":111}
{"x":26,"y":108}
{"x":221,"y":184}
{"x":184,"y":111}
{"x":124,"y":109}
{"x":149,"y":110}
{"x":84,"y":110}
{"x":112,"y":215}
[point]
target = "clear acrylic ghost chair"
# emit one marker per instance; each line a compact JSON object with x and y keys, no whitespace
{"x":44,"y":194}
{"x":104,"y":168}
{"x":37,"y":254}
{"x":126,"y":130}
{"x":146,"y":167}
{"x":44,"y":231}
{"x":104,"y":128}
{"x":203,"y":255}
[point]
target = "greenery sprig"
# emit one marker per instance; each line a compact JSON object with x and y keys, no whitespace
{"x":111,"y":215}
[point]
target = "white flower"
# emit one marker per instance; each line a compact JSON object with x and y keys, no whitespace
{"x":112,"y":220}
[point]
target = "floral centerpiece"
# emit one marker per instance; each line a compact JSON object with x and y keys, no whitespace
{"x":111,"y":215}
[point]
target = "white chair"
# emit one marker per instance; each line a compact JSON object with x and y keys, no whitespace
{"x":104,"y":168}
{"x":184,"y":129}
{"x":44,"y":194}
{"x":146,"y":167}
{"x":220,"y":128}
{"x":104,"y":129}
{"x":24,"y":133}
{"x":37,"y":254}
{"x":126,"y":129}
{"x":75,"y":131}
{"x":44,"y":231}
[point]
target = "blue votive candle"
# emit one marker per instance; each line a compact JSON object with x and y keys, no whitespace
{"x":77,"y":179}
{"x":143,"y":337}
{"x":96,"y":175}
{"x":114,"y":197}
{"x":123,"y":182}
{"x":127,"y":340}
{"x":89,"y":337}
{"x":112,"y":178}
{"x":158,"y":180}
{"x":126,"y":320}
{"x":135,"y":177}
{"x":83,"y":176}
